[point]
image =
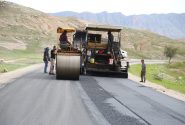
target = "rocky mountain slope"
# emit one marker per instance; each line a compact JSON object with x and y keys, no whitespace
{"x":170,"y":25}
{"x":24,"y":32}
{"x":29,"y":30}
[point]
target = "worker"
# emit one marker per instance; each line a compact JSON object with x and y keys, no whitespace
{"x":64,"y":43}
{"x":46,"y":59}
{"x":110,"y":40}
{"x":143,"y":71}
{"x":52,"y":60}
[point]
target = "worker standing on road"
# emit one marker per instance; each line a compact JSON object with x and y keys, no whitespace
{"x":143,"y":71}
{"x":52,"y":60}
{"x":46,"y":59}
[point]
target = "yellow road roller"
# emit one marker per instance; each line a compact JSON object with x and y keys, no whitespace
{"x":68,"y":57}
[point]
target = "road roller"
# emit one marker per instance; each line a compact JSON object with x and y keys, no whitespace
{"x":68,"y":59}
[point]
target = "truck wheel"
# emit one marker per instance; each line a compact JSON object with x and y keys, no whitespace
{"x":125,"y":75}
{"x":81,"y":70}
{"x":57,"y":77}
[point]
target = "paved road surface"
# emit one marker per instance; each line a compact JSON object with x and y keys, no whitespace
{"x":39,"y":99}
{"x":147,"y":61}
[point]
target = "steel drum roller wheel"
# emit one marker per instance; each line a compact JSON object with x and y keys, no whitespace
{"x":68,"y":67}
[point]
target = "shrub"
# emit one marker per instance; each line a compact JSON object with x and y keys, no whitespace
{"x":159,"y":76}
{"x":170,"y":52}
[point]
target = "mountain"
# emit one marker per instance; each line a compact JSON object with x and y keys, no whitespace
{"x":24,"y":32}
{"x":170,"y":25}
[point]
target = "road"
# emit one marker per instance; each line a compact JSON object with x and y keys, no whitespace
{"x":147,"y":61}
{"x":39,"y":99}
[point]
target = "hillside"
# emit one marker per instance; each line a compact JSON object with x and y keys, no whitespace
{"x":170,"y":25}
{"x":24,"y":32}
{"x":144,"y":44}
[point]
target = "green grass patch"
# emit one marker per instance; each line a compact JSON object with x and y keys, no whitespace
{"x":19,"y":63}
{"x":170,"y":76}
{"x":10,"y":67}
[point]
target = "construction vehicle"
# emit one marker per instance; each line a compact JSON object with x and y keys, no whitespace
{"x":98,"y":58}
{"x":68,"y":60}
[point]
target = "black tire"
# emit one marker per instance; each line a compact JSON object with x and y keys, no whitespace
{"x":125,"y":75}
{"x":81,"y":70}
{"x":77,"y":78}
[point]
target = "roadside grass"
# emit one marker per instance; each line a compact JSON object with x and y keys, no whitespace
{"x":18,"y":63}
{"x":6,"y":67}
{"x":171,"y":76}
{"x":19,"y":59}
{"x":15,"y":59}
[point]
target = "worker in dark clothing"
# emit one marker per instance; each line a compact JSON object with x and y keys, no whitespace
{"x":143,"y":71}
{"x":64,"y":43}
{"x":110,"y":40}
{"x":46,"y":59}
{"x":52,"y":60}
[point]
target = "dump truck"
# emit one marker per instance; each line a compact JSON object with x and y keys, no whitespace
{"x":97,"y":55}
{"x":68,"y":60}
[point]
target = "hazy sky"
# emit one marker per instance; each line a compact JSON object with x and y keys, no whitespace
{"x":127,"y":7}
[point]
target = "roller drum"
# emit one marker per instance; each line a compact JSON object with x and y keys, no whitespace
{"x":68,"y":67}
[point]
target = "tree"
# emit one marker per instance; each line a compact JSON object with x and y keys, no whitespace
{"x":170,"y":52}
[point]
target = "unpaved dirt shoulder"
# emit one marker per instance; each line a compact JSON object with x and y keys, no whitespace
{"x":11,"y":76}
{"x":158,"y":88}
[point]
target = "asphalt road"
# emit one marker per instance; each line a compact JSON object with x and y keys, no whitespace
{"x":39,"y":99}
{"x":147,"y":61}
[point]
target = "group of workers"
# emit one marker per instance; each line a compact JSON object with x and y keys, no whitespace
{"x":49,"y":58}
{"x":64,"y":43}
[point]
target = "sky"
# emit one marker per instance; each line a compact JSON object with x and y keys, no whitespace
{"x":126,"y":7}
